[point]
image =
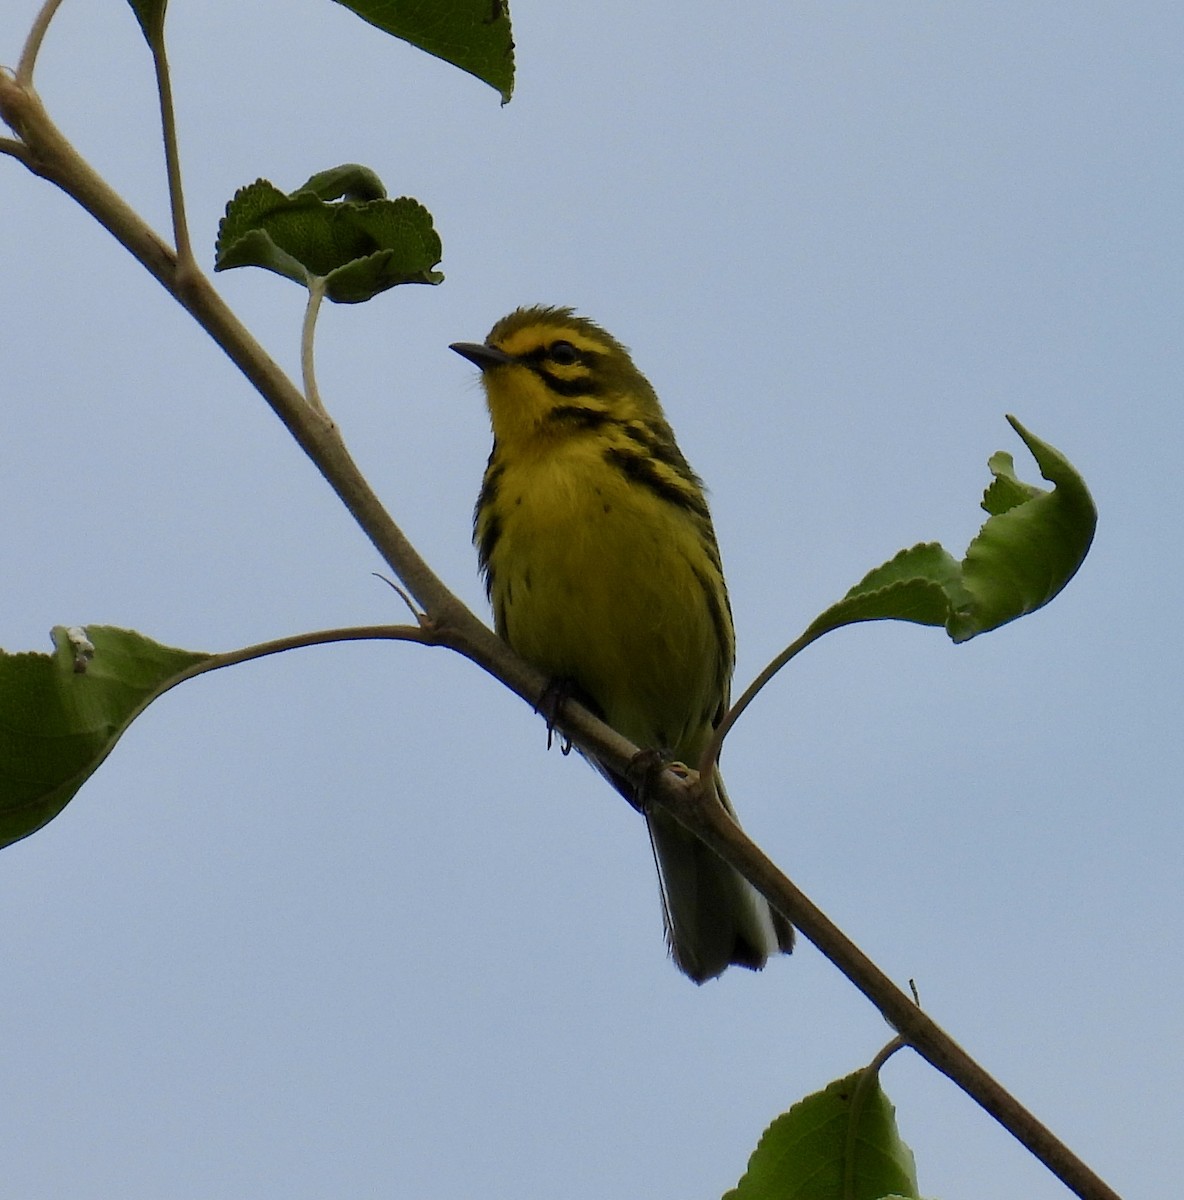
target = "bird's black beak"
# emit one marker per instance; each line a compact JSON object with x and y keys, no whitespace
{"x":482,"y":356}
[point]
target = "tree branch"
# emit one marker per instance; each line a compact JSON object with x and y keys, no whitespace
{"x":47,"y":153}
{"x":700,"y":811}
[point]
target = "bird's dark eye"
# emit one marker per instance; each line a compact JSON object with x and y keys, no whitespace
{"x":563,"y":354}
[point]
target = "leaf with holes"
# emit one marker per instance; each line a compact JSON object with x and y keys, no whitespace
{"x":1031,"y":545}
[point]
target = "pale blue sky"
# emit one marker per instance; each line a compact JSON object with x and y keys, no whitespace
{"x":336,"y":924}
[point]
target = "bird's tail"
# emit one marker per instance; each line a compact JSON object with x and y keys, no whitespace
{"x":714,"y":917}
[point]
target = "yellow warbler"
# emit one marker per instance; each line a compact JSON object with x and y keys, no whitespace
{"x":602,"y":567}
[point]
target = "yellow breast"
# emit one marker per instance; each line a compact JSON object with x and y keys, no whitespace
{"x":597,"y":580}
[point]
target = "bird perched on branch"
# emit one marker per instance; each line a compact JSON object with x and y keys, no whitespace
{"x":602,"y":567}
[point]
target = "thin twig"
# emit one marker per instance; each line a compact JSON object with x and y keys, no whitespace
{"x":17,"y":150}
{"x":422,"y":618}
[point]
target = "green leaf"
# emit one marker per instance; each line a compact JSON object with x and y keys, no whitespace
{"x":61,"y":713}
{"x":804,"y":1153}
{"x":474,"y":35}
{"x":360,"y":245}
{"x":1032,"y":544}
{"x":917,"y":585}
{"x":150,"y":14}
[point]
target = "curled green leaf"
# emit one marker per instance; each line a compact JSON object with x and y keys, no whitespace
{"x":350,"y":181}
{"x":360,"y":245}
{"x":1031,"y":545}
{"x":61,"y":714}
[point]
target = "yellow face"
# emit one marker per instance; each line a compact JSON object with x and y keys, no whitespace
{"x":549,"y":363}
{"x":540,"y":364}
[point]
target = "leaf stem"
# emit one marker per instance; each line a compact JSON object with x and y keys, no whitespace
{"x":32,"y":46}
{"x":230,"y":658}
{"x":711,"y":755}
{"x":316,"y":293}
{"x":186,"y":263}
{"x":867,"y":1080}
{"x":424,"y":635}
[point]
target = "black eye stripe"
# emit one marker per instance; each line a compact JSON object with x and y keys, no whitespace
{"x":560,"y":353}
{"x":566,"y":369}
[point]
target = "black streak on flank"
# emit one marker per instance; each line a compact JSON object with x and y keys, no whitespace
{"x":639,"y":468}
{"x":487,"y":538}
{"x":486,"y":546}
{"x":489,"y":486}
{"x":662,"y":448}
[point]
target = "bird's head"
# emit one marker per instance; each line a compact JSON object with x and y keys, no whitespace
{"x":549,"y":373}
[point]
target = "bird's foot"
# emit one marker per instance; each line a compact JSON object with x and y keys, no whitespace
{"x":644,"y":770}
{"x":550,"y":705}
